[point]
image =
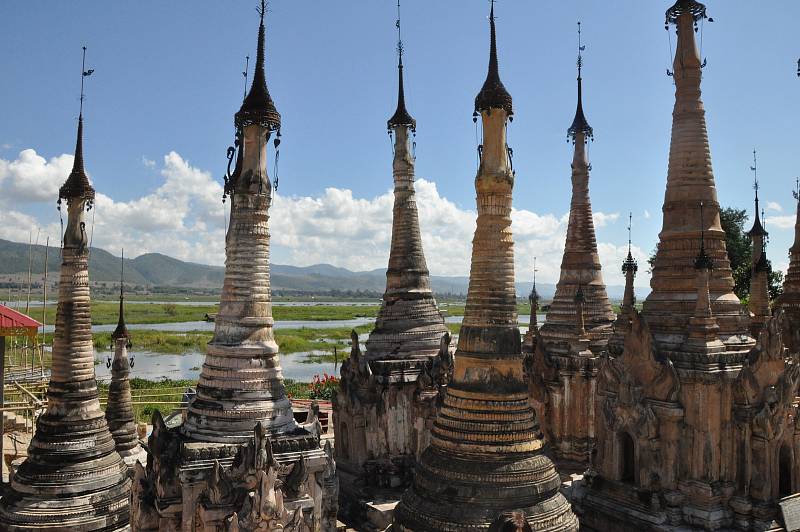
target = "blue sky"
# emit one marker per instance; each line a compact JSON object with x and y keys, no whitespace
{"x":159,"y":115}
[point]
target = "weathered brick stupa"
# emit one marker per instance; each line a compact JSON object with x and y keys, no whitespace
{"x":389,"y":395}
{"x":579,"y":322}
{"x":486,"y":454}
{"x":241,"y":402}
{"x":789,"y":300}
{"x":758,"y":303}
{"x":73,"y":478}
{"x":119,"y":411}
{"x":694,"y":418}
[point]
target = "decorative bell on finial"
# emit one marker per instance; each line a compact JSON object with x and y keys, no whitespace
{"x":475,"y":117}
{"x":108,"y":362}
{"x":132,"y":360}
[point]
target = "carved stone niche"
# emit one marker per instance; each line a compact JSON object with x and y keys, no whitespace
{"x":765,"y":402}
{"x":638,"y":397}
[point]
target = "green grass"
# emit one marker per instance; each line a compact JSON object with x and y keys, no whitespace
{"x":289,"y":340}
{"x":457,"y":309}
{"x":105,"y":312}
{"x":149,"y":396}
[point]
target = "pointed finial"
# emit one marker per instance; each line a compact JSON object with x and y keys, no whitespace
{"x":580,"y":49}
{"x":121,"y":331}
{"x":630,"y":223}
{"x":796,"y":191}
{"x":630,"y":263}
{"x":758,"y":228}
{"x":534,"y":295}
{"x":258,"y":107}
{"x":244,"y":73}
{"x":703,"y":261}
{"x":77,"y":184}
{"x":401,"y":116}
{"x":493,"y":94}
{"x":579,"y":123}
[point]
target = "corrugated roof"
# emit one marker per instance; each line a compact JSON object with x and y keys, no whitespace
{"x":14,"y":323}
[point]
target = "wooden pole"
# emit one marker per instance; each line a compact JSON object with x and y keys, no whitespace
{"x":44,"y":307}
{"x":2,"y":399}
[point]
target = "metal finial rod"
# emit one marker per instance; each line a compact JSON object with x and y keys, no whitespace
{"x":581,"y":48}
{"x":121,"y":272}
{"x":754,"y":169}
{"x":796,"y":191}
{"x":262,"y":10}
{"x":399,"y":37}
{"x":630,"y":223}
{"x":84,"y":73}
{"x":534,"y":272}
{"x":246,"y":70}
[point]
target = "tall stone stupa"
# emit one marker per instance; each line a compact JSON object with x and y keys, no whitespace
{"x":73,"y":478}
{"x":239,"y":444}
{"x":486,"y":458}
{"x":389,"y":395}
{"x":579,"y":322}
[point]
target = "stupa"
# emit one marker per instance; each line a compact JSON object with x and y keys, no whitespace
{"x":119,"y":411}
{"x":486,"y":455}
{"x":389,"y":395}
{"x":239,"y":446}
{"x":579,"y":321}
{"x":73,"y":478}
{"x":696,"y":421}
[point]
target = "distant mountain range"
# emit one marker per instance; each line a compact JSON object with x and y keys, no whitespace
{"x":157,"y":270}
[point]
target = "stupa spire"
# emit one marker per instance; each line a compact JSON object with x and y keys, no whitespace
{"x":409,"y":321}
{"x":119,"y":411}
{"x":493,"y":94}
{"x":122,"y":330}
{"x":241,"y":382}
{"x":401,"y":116}
{"x":579,"y":123}
{"x":790,"y":297}
{"x":690,"y":181}
{"x":629,"y":269}
{"x":486,"y":452}
{"x":72,"y":474}
{"x":580,"y":264}
{"x":758,"y":303}
{"x":258,"y":107}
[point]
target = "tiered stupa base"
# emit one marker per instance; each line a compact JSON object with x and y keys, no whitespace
{"x":179,"y":489}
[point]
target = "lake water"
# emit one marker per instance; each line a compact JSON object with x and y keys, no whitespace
{"x":155,"y":366}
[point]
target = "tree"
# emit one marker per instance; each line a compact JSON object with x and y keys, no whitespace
{"x":738,"y":244}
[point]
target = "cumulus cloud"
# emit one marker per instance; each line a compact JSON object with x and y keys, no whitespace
{"x":774,"y":206}
{"x":149,"y":163}
{"x":184,"y":218}
{"x":781,"y":222}
{"x":32,"y":178}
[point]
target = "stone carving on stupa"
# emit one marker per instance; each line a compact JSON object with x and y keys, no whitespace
{"x":119,"y":411}
{"x":486,"y":454}
{"x":73,"y":477}
{"x":389,"y":393}
{"x":696,"y":424}
{"x":241,"y":383}
{"x":579,"y":322}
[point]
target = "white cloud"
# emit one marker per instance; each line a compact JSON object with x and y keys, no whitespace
{"x":184,"y":218}
{"x":646,"y":214}
{"x":32,"y":178}
{"x":149,"y":163}
{"x":602,"y":219}
{"x":782,"y":222}
{"x":774,"y":206}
